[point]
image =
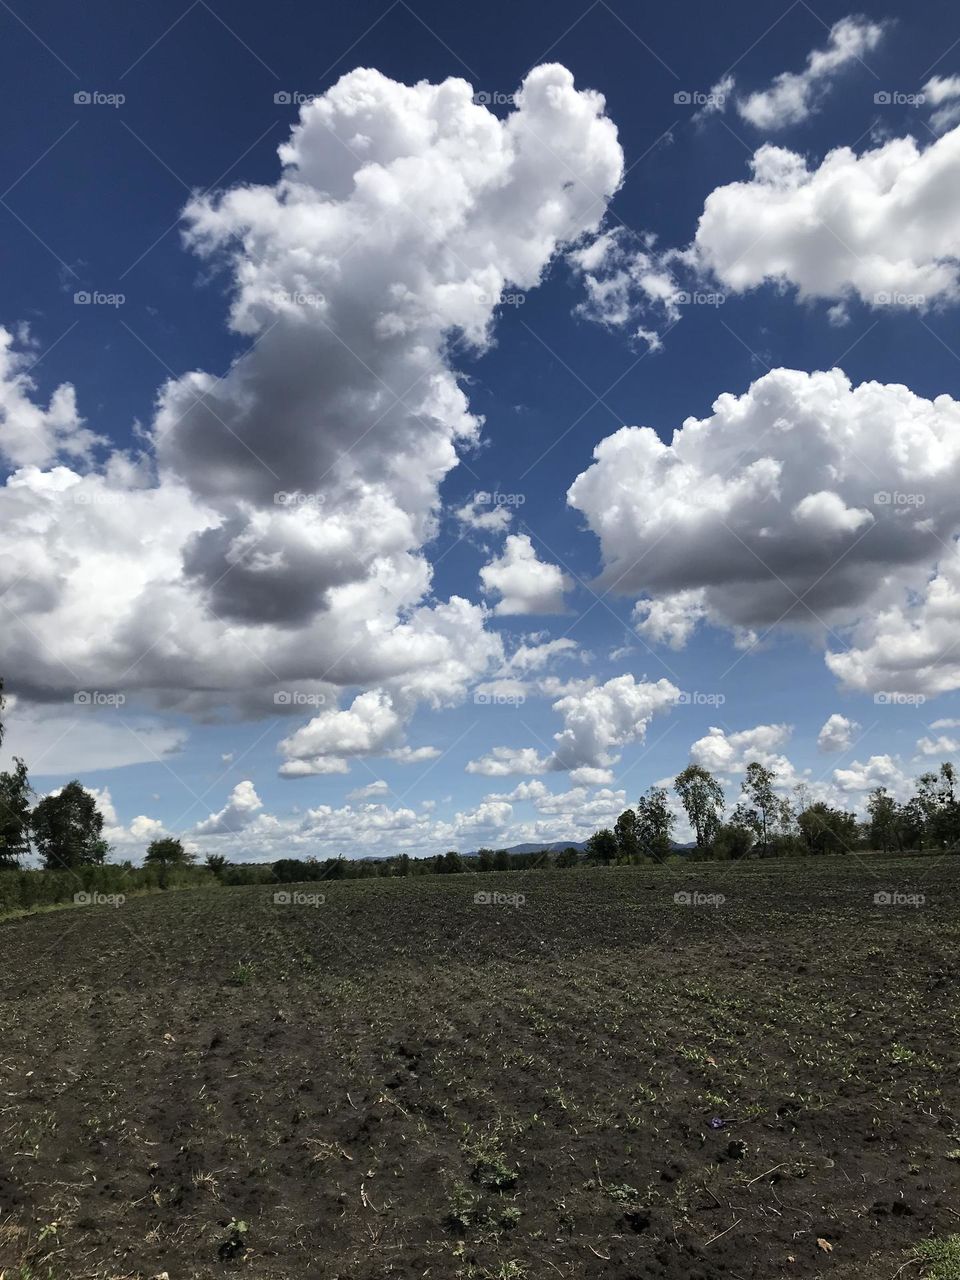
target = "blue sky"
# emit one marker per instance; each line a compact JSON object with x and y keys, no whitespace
{"x":175,"y":635}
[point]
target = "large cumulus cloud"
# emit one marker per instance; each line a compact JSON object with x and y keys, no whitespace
{"x":271,"y":537}
{"x":805,"y":501}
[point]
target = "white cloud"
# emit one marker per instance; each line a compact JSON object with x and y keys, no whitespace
{"x":370,"y":791}
{"x":79,"y":739}
{"x":326,"y":743}
{"x":525,"y":583}
{"x":805,"y":503}
{"x":485,"y":517}
{"x":501,"y":762}
{"x":400,"y":215}
{"x":31,"y":435}
{"x":628,"y":283}
{"x":940,"y":746}
{"x":597,"y":721}
{"x":793,"y":97}
{"x":413,"y":755}
{"x":837,"y":733}
{"x":723,"y":752}
{"x":943,"y":92}
{"x":878,"y":771}
{"x":879,"y":225}
{"x":910,"y":644}
{"x":237,"y":814}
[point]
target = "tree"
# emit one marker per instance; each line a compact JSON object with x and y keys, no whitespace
{"x":732,"y":841}
{"x":655,"y":823}
{"x":215,"y":862}
{"x":602,"y":847}
{"x":67,"y":827}
{"x":168,"y":851}
{"x":567,"y":857}
{"x":761,"y":809}
{"x":15,"y":793}
{"x":702,"y":797}
{"x":885,"y":823}
{"x":826,"y":830}
{"x":625,"y":830}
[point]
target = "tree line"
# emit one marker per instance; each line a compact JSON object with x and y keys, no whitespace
{"x":764,"y":823}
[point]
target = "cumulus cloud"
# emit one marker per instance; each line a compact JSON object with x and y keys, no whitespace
{"x":939,"y":746}
{"x":525,"y":583}
{"x":909,"y":645}
{"x":878,"y":771}
{"x":723,"y":752}
{"x":484,"y":517}
{"x":837,"y":733}
{"x":597,"y":721}
{"x":794,"y":96}
{"x":237,"y":814}
{"x":879,"y":225}
{"x":943,"y":93}
{"x":501,"y":762}
{"x":326,"y":743}
{"x":271,"y":537}
{"x":31,"y":435}
{"x":805,"y":502}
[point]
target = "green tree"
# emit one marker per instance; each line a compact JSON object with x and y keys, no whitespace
{"x":827,"y":830}
{"x":885,"y":824}
{"x":702,"y":797}
{"x":15,"y":793}
{"x":168,"y":851}
{"x":568,"y":857}
{"x":625,"y":830}
{"x":655,"y":823}
{"x":68,"y":829}
{"x":602,"y":847}
{"x":732,"y":841}
{"x":761,"y":810}
{"x":215,"y":862}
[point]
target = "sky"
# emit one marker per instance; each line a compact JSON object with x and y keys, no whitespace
{"x":428,"y":427}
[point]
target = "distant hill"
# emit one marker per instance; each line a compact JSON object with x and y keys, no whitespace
{"x":556,"y":846}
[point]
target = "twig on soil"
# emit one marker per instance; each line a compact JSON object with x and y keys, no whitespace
{"x":604,"y":1257}
{"x":764,"y":1175}
{"x":723,"y":1233}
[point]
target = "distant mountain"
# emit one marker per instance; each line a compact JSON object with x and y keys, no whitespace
{"x":557,"y":846}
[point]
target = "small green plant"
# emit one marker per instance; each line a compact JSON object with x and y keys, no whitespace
{"x":241,"y":975}
{"x":234,"y":1244}
{"x":939,"y":1259}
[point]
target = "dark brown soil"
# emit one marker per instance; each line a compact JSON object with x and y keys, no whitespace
{"x":600,"y":1082}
